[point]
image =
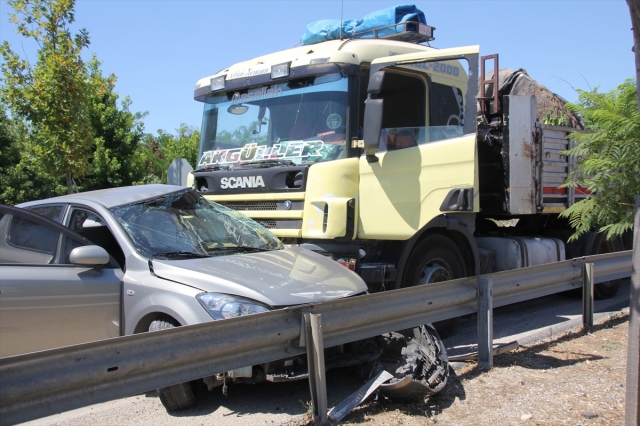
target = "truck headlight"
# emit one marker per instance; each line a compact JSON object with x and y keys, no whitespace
{"x":223,"y":306}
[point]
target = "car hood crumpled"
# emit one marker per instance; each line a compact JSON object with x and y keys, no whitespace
{"x":278,"y":278}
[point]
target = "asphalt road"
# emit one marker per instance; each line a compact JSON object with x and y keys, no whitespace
{"x":286,"y":403}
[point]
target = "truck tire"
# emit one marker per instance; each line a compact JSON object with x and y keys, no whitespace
{"x":180,"y":396}
{"x":596,"y":243}
{"x":435,"y":259}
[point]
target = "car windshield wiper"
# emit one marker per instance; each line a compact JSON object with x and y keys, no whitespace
{"x":180,"y":255}
{"x":242,"y":249}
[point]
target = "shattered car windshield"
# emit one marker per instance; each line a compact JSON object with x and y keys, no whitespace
{"x":184,"y":225}
{"x":299,"y":121}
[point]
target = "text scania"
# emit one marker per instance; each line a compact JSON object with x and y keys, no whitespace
{"x":252,"y":152}
{"x":242,"y":182}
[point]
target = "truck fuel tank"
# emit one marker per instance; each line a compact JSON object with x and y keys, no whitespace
{"x":520,"y":252}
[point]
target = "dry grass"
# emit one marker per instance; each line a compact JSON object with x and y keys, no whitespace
{"x":574,"y":379}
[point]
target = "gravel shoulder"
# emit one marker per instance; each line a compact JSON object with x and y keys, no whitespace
{"x":575,"y":378}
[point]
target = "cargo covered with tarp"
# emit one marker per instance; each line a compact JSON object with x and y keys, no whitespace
{"x":385,"y":20}
{"x":550,"y":107}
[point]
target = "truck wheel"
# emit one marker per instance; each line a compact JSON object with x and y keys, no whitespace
{"x":597,"y":243}
{"x":180,"y":396}
{"x":434,"y":260}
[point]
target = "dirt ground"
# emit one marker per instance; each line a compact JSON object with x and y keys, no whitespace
{"x":575,"y":379}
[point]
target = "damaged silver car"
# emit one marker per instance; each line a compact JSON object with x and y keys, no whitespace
{"x":154,"y":257}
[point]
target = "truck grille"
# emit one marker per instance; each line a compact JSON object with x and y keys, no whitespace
{"x":246,"y":206}
{"x":261,"y":205}
{"x":280,"y":224}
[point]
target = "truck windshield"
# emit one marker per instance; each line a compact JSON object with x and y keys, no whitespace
{"x":298,"y":121}
{"x":184,"y":225}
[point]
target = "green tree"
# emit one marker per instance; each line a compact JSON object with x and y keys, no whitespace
{"x":21,"y":178}
{"x":117,"y":134}
{"x":185,"y":145}
{"x":608,"y":161}
{"x":52,"y":94}
{"x":156,"y":153}
{"x":150,"y":159}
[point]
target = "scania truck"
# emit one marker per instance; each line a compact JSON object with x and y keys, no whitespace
{"x":399,"y":160}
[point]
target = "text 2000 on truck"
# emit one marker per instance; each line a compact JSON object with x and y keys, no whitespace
{"x":372,"y":149}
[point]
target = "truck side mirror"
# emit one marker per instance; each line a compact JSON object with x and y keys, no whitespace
{"x":372,"y":127}
{"x":373,"y":116}
{"x":375,"y":83}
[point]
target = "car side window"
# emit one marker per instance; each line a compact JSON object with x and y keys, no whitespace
{"x":53,"y":212}
{"x":27,"y":235}
{"x":93,"y":227}
{"x":27,"y":242}
{"x":29,"y":238}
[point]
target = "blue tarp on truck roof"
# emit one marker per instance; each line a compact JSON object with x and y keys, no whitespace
{"x":329,"y":29}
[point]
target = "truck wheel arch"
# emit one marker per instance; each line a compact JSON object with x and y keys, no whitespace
{"x":451,"y":228}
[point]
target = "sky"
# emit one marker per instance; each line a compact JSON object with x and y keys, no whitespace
{"x":159,"y":49}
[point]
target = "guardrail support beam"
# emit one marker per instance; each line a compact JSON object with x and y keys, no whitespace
{"x":485,"y":322}
{"x":587,"y":295}
{"x":315,"y":364}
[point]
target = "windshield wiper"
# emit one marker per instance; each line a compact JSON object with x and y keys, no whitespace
{"x":243,"y":249}
{"x":269,"y":163}
{"x":180,"y":255}
{"x":212,"y":168}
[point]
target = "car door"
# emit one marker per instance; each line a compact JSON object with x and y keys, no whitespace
{"x":45,"y":300}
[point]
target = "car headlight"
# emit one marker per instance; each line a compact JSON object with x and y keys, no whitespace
{"x":223,"y":306}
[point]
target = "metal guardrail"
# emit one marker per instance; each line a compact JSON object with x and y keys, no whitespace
{"x":44,"y":383}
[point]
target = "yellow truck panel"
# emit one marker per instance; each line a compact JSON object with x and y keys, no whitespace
{"x":403,"y":191}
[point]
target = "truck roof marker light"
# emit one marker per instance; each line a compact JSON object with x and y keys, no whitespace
{"x":280,"y":70}
{"x":217,"y":83}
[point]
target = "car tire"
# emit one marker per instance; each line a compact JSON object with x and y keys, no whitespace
{"x":435,"y":259}
{"x":180,"y":396}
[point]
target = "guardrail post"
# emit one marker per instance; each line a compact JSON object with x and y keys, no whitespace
{"x":485,"y":322}
{"x":632,"y":411}
{"x":587,"y":295}
{"x":315,"y":364}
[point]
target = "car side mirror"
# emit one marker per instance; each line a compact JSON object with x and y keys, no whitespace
{"x":89,"y":256}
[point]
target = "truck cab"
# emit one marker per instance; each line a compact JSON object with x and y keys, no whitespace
{"x":345,"y":146}
{"x":383,"y":153}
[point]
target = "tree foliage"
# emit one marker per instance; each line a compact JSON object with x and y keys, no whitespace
{"x":607,"y":161}
{"x":157,"y":152}
{"x":52,"y":94}
{"x":117,"y":134}
{"x":21,"y":178}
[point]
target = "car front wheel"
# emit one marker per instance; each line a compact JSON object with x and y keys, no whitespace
{"x":180,"y":396}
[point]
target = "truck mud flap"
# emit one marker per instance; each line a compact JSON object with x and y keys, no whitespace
{"x":418,"y":362}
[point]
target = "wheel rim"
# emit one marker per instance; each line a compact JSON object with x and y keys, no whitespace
{"x":434,"y":272}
